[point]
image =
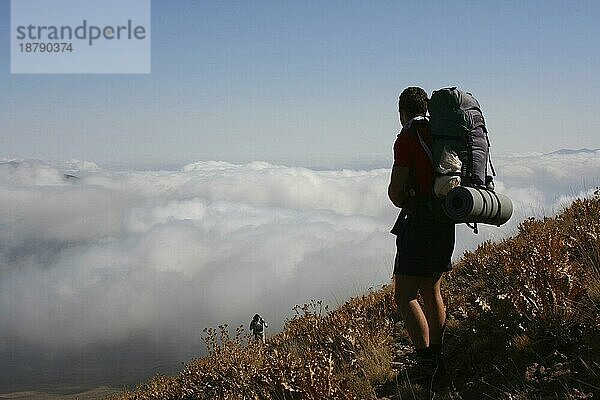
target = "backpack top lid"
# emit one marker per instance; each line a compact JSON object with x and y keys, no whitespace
{"x":452,"y":103}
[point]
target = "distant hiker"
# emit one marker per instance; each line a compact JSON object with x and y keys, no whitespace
{"x":424,"y":245}
{"x":257,"y":326}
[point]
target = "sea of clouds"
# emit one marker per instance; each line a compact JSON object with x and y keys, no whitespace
{"x":106,"y":273}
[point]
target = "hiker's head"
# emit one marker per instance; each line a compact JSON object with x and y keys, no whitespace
{"x":412,"y":103}
{"x":256,"y":317}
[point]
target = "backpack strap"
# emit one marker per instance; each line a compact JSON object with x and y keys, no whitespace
{"x":489,"y":152}
{"x":491,"y":165}
{"x":424,"y":146}
{"x":473,"y":227}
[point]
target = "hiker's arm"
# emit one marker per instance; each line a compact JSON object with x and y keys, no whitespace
{"x":397,"y":188}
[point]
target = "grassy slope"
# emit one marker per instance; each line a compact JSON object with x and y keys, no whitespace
{"x":523,"y":324}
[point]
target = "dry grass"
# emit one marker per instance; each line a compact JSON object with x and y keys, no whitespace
{"x":319,"y":355}
{"x":526,"y":310}
{"x":524,"y":323}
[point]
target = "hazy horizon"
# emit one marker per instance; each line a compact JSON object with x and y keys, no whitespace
{"x":354,"y":162}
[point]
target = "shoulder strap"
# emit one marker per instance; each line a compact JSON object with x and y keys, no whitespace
{"x":424,"y":145}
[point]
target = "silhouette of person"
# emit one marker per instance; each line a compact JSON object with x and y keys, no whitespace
{"x":258,"y":326}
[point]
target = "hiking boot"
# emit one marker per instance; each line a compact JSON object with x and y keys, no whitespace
{"x":440,"y":376}
{"x":429,"y":370}
{"x":423,"y":371}
{"x":435,"y":352}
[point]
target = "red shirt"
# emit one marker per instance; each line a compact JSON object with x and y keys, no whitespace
{"x":408,"y":152}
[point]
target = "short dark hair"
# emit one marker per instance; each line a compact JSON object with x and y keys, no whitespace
{"x":414,"y":101}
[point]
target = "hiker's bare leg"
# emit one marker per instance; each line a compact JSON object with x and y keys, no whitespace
{"x":435,"y":311}
{"x":406,"y":289}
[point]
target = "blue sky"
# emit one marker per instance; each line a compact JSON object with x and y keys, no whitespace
{"x":313,"y":82}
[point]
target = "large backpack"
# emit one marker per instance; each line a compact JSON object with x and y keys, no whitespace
{"x":458,"y":131}
{"x":457,"y":124}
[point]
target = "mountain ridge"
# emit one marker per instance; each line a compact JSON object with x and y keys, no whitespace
{"x":574,"y":151}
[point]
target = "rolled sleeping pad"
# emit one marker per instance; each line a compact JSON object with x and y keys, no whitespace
{"x":468,"y":204}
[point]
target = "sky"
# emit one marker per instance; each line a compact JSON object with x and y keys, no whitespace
{"x":248,"y":171}
{"x":312,"y":83}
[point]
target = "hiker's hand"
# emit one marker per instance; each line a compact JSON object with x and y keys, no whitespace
{"x":397,"y":188}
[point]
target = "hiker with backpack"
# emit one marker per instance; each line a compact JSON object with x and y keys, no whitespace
{"x":439,"y":178}
{"x":257,"y":327}
{"x":424,"y":243}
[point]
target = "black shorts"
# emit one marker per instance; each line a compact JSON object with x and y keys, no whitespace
{"x":424,"y":246}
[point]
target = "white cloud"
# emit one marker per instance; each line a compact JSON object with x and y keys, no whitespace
{"x":161,"y":254}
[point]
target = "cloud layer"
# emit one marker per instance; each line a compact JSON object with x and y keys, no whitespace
{"x":111,"y":258}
